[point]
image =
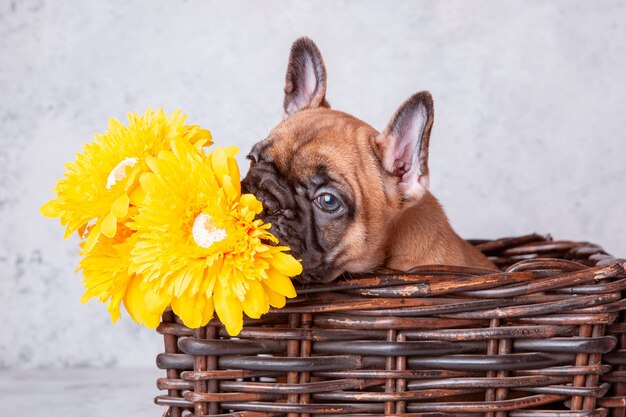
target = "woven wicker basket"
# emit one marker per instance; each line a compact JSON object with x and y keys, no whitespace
{"x":544,"y":338}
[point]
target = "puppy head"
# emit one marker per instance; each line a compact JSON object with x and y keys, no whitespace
{"x":330,"y":183}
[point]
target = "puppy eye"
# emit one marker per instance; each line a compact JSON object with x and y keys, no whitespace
{"x":328,"y":202}
{"x":252,"y":159}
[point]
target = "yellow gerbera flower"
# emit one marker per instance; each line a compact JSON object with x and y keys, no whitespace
{"x":199,"y":245}
{"x":102,"y":183}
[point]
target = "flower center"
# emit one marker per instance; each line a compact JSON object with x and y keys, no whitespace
{"x":119,"y":172}
{"x":204,"y":231}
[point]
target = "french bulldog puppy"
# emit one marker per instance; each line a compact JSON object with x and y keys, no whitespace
{"x":343,"y":196}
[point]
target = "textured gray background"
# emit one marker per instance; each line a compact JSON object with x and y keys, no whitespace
{"x":529,"y":131}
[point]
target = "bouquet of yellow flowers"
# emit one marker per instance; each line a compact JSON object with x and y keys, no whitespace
{"x":164,"y":223}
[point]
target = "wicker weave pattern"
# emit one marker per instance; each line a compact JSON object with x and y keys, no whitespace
{"x":544,"y":338}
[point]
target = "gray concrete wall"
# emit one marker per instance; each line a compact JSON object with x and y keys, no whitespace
{"x":530,"y":101}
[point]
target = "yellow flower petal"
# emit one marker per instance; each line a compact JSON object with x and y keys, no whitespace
{"x":286,"y":264}
{"x":256,"y":302}
{"x":120,"y":206}
{"x":231,"y":151}
{"x":115,"y":124}
{"x":233,"y":172}
{"x":155,"y":303}
{"x":138,"y":301}
{"x":229,"y":188}
{"x":203,"y":136}
{"x":280,"y":283}
{"x":92,"y":239}
{"x":49,"y":209}
{"x":276,"y":300}
{"x":175,"y":304}
{"x":200,"y":144}
{"x":149,"y":181}
{"x":229,"y":310}
{"x":109,"y":225}
{"x":137,"y":196}
{"x":207,"y":311}
{"x":134,"y":300}
{"x":151,"y":320}
{"x":251,"y":202}
{"x":114,"y":310}
{"x":219,"y":162}
{"x":189,"y":311}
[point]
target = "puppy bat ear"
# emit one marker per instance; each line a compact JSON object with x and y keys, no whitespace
{"x":305,"y":83}
{"x":403,"y":146}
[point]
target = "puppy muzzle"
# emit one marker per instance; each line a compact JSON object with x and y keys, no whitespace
{"x":291,"y":217}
